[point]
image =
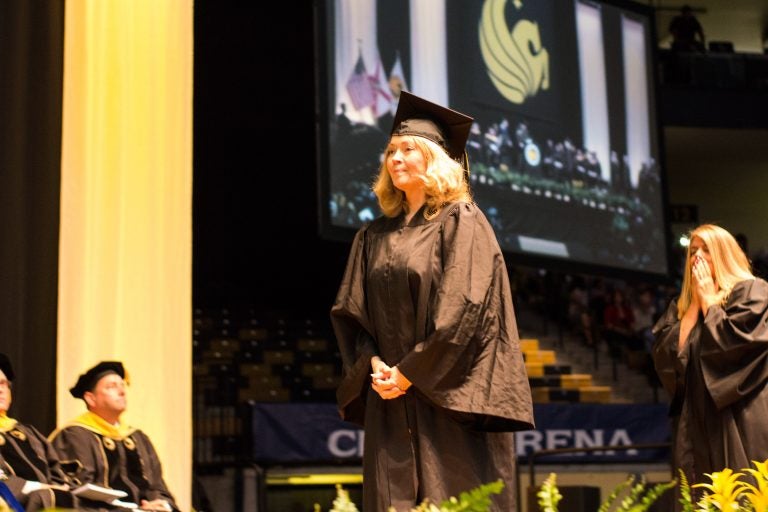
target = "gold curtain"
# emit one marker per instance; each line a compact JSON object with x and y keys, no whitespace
{"x":125,"y":284}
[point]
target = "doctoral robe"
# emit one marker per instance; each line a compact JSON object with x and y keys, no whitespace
{"x":432,"y":297}
{"x":27,"y":456}
{"x":127,"y":462}
{"x":717,"y":383}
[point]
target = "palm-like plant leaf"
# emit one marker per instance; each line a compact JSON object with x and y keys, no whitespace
{"x":549,"y":495}
{"x":685,"y":493}
{"x":619,"y":489}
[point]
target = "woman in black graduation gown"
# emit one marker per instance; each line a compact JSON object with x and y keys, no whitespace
{"x":710,"y":354}
{"x":426,"y":328}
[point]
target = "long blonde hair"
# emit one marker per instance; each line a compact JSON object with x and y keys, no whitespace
{"x":444,"y":181}
{"x":729,"y":262}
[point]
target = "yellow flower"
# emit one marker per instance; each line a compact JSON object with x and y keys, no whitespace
{"x":758,"y":496}
{"x":724,"y":491}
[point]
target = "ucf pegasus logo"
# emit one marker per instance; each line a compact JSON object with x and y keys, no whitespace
{"x":517,"y":63}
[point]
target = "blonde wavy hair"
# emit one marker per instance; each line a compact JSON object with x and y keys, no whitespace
{"x":729,"y":263}
{"x":444,"y":181}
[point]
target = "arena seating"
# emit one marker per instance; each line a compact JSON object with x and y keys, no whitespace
{"x":249,"y":356}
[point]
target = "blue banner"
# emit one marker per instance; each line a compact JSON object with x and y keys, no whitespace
{"x":315,"y":434}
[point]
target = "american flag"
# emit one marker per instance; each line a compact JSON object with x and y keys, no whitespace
{"x":397,"y":83}
{"x":380,"y":86}
{"x":359,"y":87}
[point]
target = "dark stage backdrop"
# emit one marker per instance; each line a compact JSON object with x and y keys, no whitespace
{"x":31,"y":63}
{"x":255,"y":194}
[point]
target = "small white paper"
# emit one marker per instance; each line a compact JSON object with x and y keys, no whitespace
{"x":98,"y":493}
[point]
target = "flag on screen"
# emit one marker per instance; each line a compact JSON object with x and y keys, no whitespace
{"x":383,"y":96}
{"x":359,"y":87}
{"x":397,"y":82}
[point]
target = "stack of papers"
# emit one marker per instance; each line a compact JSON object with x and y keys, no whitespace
{"x":98,"y":493}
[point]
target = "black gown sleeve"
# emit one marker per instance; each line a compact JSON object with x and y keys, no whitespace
{"x":75,"y":445}
{"x":735,"y":349}
{"x":50,"y":473}
{"x":351,"y":325}
{"x":666,"y":334}
{"x":153,"y":471}
{"x":46,"y":450}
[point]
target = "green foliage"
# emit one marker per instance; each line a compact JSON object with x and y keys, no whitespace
{"x":549,"y":495}
{"x":342,"y":503}
{"x":572,"y":191}
{"x":631,"y":495}
{"x":474,"y":500}
{"x":654,"y":493}
{"x":685,"y":493}
{"x":619,"y":489}
{"x":725,"y":491}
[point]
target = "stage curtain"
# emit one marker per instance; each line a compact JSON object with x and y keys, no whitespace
{"x":31,"y":60}
{"x":125,"y":249}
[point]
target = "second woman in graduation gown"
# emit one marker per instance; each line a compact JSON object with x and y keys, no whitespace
{"x":427,"y":331}
{"x":711,"y":355}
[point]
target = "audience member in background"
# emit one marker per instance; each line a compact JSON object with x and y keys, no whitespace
{"x":598,"y":300}
{"x":687,"y":33}
{"x":108,"y":452}
{"x":711,"y":355}
{"x":432,"y":366}
{"x":619,"y":322}
{"x":645,"y":315}
{"x":579,"y":316}
{"x":29,"y":465}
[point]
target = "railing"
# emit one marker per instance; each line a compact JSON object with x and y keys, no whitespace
{"x":742,"y":71}
{"x":559,"y":451}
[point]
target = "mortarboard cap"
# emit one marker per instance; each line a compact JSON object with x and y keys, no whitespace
{"x":5,"y":366}
{"x":446,"y":127}
{"x":88,"y":380}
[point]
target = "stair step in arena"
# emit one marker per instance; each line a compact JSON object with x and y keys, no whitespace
{"x":596,"y":394}
{"x":529,"y":344}
{"x":538,"y":369}
{"x":544,"y":356}
{"x":566,"y":381}
{"x":589,"y":394}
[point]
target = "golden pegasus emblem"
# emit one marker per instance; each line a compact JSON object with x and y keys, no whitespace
{"x":517,"y":63}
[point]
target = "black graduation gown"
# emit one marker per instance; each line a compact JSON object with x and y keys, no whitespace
{"x":719,"y":403}
{"x":26,"y":455}
{"x":432,"y":297}
{"x":130,"y":464}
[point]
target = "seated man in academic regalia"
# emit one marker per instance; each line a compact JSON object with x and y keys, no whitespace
{"x":107,"y":451}
{"x":29,"y":466}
